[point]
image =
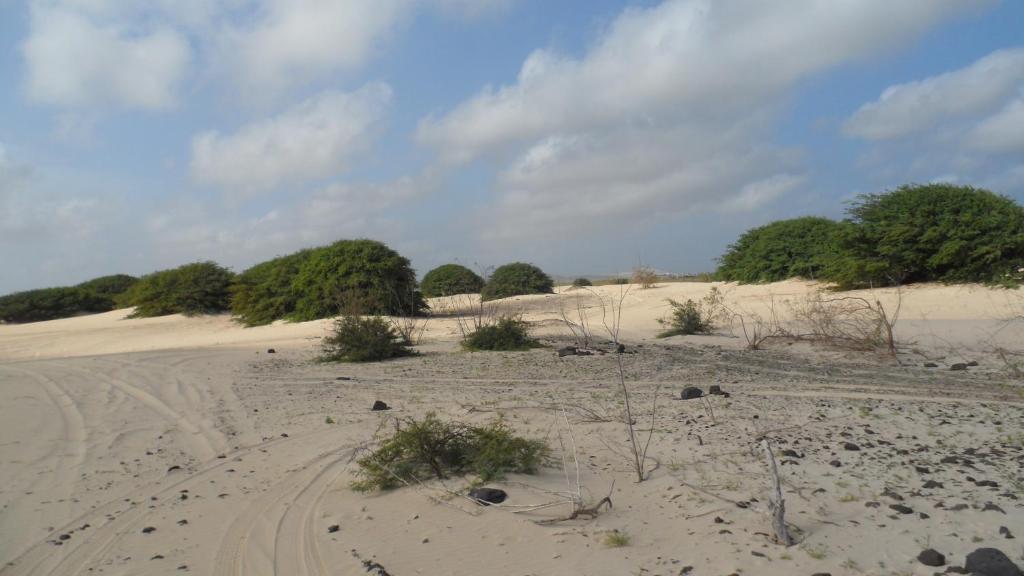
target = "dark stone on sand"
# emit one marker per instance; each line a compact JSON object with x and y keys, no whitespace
{"x":567,"y":351}
{"x":148,"y":530}
{"x":930,"y":365}
{"x":271,"y":351}
{"x":850,"y":446}
{"x":972,"y":363}
{"x":930,"y":557}
{"x":835,"y":463}
{"x":333,"y":528}
{"x":933,"y":484}
{"x":379,"y":405}
{"x":691,"y":393}
{"x":959,"y":366}
{"x":901,"y":508}
{"x":488,"y":496}
{"x":1005,"y":533}
{"x":991,"y":562}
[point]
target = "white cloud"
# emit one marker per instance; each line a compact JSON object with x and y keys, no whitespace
{"x":312,"y":140}
{"x":292,"y":42}
{"x":1001,"y":132}
{"x":76,"y":60}
{"x":913,"y":107}
{"x":670,"y":112}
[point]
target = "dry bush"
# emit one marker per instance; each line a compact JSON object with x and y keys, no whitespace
{"x":757,"y":329}
{"x":849,"y":322}
{"x":645,"y":276}
{"x":577,"y":321}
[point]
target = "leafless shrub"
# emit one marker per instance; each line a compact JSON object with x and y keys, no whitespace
{"x":849,"y":321}
{"x":577,"y":321}
{"x":645,"y":276}
{"x":756,"y":329}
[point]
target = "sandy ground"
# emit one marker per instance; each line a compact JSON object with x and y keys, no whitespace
{"x":176,"y":445}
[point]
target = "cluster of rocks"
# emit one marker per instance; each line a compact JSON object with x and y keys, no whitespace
{"x":981,"y":562}
{"x":692,"y":392}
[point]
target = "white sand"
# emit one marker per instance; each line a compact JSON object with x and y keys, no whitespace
{"x":95,"y":411}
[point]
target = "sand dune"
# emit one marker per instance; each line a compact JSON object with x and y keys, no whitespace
{"x":187,"y":426}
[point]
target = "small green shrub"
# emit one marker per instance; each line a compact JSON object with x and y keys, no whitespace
{"x":192,"y":289}
{"x":429,"y":448}
{"x":694,"y":317}
{"x":507,"y":334}
{"x":50,"y":304}
{"x":581,"y":282}
{"x":800,"y":247}
{"x":451,"y":279}
{"x":364,"y":339}
{"x":616,"y":539}
{"x":516,"y":279}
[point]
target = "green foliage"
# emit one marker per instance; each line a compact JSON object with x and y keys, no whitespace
{"x":451,"y":279}
{"x":932,"y":232}
{"x":364,"y":339}
{"x":506,"y":334}
{"x":694,"y":317}
{"x":264,"y":293}
{"x":355,"y":274}
{"x":801,"y":247}
{"x":581,"y":282}
{"x":359,"y":339}
{"x":516,"y":279}
{"x":50,"y":304}
{"x":616,"y":539}
{"x":349,"y":276}
{"x":429,"y":448}
{"x":192,"y":289}
{"x":109,"y":287}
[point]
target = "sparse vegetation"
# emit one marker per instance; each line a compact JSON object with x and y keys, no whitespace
{"x":451,"y":279}
{"x":691,"y":317}
{"x":617,"y":539}
{"x":581,"y":282}
{"x":645,"y":277}
{"x":508,"y":333}
{"x":192,"y":289}
{"x":364,"y":339}
{"x":516,"y":279}
{"x":431,"y":448}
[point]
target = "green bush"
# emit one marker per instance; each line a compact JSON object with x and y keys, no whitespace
{"x":359,"y":339}
{"x":265,"y":292}
{"x":506,"y":334}
{"x":801,"y":247}
{"x":694,"y":317}
{"x":192,"y":289}
{"x":451,"y":279}
{"x":109,"y":287}
{"x":516,"y":279}
{"x":350,"y":275}
{"x":932,"y":232}
{"x":50,"y":304}
{"x":429,"y":448}
{"x":582,"y":282}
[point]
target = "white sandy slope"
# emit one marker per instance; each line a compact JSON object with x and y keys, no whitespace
{"x":97,"y":412}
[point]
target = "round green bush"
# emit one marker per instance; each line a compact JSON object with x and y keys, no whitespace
{"x":800,"y":247}
{"x":359,"y":339}
{"x":506,"y":334}
{"x":451,"y":279}
{"x":265,"y":292}
{"x":516,"y":279}
{"x":109,"y":287}
{"x":931,"y":232}
{"x":192,"y":289}
{"x":50,"y":304}
{"x":355,"y":276}
{"x":581,"y":282}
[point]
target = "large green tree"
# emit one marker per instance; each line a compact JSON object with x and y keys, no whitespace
{"x":800,"y":247}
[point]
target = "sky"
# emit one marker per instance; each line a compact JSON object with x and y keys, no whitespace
{"x":585,"y":136}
